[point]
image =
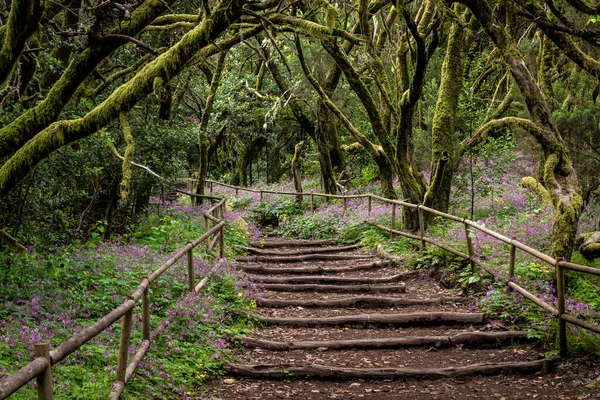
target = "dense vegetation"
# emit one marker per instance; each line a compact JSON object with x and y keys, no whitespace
{"x":487,"y":109}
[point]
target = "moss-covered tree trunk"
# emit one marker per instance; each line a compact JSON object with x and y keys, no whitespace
{"x":204,"y":139}
{"x":296,"y":170}
{"x":444,"y":152}
{"x":560,"y":177}
{"x":244,"y":161}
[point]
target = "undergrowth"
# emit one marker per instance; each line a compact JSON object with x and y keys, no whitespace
{"x":49,"y":297}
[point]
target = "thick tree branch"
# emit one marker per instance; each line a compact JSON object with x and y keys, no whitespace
{"x":22,"y":23}
{"x":26,"y":126}
{"x":123,"y":99}
{"x":371,"y":148}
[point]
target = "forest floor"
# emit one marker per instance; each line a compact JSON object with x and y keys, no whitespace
{"x":347,"y":324}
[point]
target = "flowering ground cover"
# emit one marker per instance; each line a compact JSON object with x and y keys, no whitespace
{"x":49,"y":297}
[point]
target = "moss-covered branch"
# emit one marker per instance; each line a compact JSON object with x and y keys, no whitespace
{"x":26,"y":126}
{"x":542,"y":194}
{"x":123,"y":99}
{"x":495,"y":124}
{"x":11,"y":242}
{"x":22,"y":23}
{"x":128,"y":159}
{"x":386,"y":169}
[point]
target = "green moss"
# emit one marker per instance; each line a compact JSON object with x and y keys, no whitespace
{"x":157,"y":86}
{"x":541,"y":192}
{"x":128,"y":158}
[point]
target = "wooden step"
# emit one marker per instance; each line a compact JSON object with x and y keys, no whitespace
{"x":385,"y":319}
{"x":291,"y":243}
{"x":313,"y":269}
{"x":324,"y":279}
{"x":280,"y":287}
{"x":315,"y":250}
{"x":283,"y":371}
{"x":303,"y":257}
{"x":462,"y":338}
{"x":357,"y":301}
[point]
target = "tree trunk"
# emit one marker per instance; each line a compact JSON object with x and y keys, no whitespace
{"x":240,"y":178}
{"x":443,"y":153}
{"x":204,"y":139}
{"x":325,"y":164}
{"x":560,"y":177}
{"x":22,"y":23}
{"x":296,"y":170}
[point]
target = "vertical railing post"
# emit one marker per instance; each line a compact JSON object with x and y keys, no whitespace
{"x":511,"y":261}
{"x":562,"y":324}
{"x":146,"y":311}
{"x":44,"y":380}
{"x":126,"y":324}
{"x":370,"y":205}
{"x":211,"y":187}
{"x":206,"y":229}
{"x":190,"y":266}
{"x":222,"y":242}
{"x":312,"y":203}
{"x":236,"y":192}
{"x":421,"y":227}
{"x":261,"y":195}
{"x":345,"y":204}
{"x":470,"y":248}
{"x":393,"y":218}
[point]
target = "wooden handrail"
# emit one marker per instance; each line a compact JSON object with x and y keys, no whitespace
{"x":41,"y":366}
{"x":560,"y":313}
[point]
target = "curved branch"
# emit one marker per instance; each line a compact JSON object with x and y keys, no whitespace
{"x":495,"y":124}
{"x":14,"y":135}
{"x":123,"y":99}
{"x":22,"y":23}
{"x":371,"y":148}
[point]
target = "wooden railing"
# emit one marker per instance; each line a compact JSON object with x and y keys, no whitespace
{"x":41,"y":367}
{"x":560,"y":266}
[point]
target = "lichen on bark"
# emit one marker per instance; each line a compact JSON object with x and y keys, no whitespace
{"x":128,"y":158}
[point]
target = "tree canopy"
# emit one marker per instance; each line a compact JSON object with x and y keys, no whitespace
{"x":406,"y":90}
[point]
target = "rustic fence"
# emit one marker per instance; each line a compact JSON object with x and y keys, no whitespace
{"x":41,"y":367}
{"x":560,"y":266}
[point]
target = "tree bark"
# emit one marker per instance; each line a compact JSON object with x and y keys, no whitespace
{"x":443,"y":153}
{"x":560,"y":177}
{"x":22,"y":23}
{"x":296,"y":171}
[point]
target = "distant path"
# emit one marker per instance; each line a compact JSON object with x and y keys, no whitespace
{"x":341,"y":323}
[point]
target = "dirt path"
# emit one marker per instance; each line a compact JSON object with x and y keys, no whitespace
{"x":335,"y":331}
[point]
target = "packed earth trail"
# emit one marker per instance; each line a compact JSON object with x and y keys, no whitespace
{"x":339,"y":322}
